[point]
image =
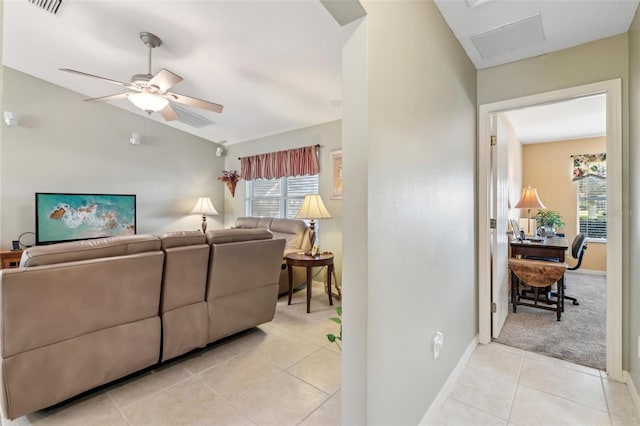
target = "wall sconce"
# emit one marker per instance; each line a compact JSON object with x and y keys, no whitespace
{"x":10,"y":119}
{"x":134,"y":139}
{"x":219,"y":151}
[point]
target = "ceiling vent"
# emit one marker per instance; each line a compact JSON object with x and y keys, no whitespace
{"x":48,"y":5}
{"x":190,"y":117}
{"x":509,"y":38}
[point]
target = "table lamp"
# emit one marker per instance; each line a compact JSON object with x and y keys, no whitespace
{"x":204,"y":207}
{"x":529,"y":200}
{"x":313,"y":208}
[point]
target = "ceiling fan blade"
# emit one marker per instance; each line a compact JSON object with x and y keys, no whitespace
{"x":165,"y":80}
{"x":109,"y":98}
{"x":195,"y":102}
{"x":94,"y":76}
{"x":168,"y":113}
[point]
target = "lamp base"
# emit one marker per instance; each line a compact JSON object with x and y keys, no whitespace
{"x":204,"y":224}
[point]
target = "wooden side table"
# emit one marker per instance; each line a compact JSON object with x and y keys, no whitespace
{"x":301,"y":259}
{"x":10,"y":258}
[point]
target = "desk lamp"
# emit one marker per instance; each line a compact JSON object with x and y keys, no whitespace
{"x":313,"y":208}
{"x":529,"y":200}
{"x":204,"y":207}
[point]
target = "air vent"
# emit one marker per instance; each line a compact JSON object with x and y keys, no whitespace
{"x":190,"y":118}
{"x":48,"y":5}
{"x":511,"y":37}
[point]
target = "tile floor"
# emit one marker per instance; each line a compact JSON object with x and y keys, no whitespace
{"x":287,"y":373}
{"x":284,"y":372}
{"x":507,"y":386}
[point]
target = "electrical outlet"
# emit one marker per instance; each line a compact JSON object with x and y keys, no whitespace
{"x":438,"y":339}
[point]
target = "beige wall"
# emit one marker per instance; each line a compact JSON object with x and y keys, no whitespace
{"x":63,"y":144}
{"x":557,"y":190}
{"x":634,"y":201}
{"x":329,"y":137}
{"x":414,"y":165}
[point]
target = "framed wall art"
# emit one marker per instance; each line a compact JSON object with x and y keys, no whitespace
{"x":336,"y":175}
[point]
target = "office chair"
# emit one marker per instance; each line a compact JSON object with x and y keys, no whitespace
{"x":578,"y":247}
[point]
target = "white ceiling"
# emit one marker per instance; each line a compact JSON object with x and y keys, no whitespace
{"x":574,"y":119}
{"x":276,"y":65}
{"x":565,"y":23}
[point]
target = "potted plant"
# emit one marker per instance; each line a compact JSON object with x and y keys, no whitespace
{"x":548,"y":221}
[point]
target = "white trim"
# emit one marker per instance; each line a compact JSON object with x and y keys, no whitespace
{"x":613,"y":90}
{"x":587,"y":272}
{"x":632,"y":390}
{"x":438,"y":401}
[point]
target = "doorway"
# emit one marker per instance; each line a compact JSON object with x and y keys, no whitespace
{"x":612,"y":90}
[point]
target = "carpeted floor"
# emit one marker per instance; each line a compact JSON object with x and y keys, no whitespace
{"x":579,"y":337}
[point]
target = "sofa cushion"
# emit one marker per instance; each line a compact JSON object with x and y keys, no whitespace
{"x":247,"y":223}
{"x":89,"y":249}
{"x":291,"y":230}
{"x":223,"y":236}
{"x":182,"y":238}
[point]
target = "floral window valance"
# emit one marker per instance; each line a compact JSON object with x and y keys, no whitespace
{"x":589,"y":165}
{"x":274,"y":165}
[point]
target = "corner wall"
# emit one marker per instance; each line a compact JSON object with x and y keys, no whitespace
{"x":418,"y":154}
{"x":63,"y":144}
{"x":633,"y":230}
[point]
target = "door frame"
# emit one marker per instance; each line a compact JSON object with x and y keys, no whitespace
{"x":613,"y":90}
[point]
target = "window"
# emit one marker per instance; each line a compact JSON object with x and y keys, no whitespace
{"x":592,"y":207}
{"x":279,"y":197}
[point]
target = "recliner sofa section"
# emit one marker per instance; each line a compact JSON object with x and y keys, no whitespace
{"x":75,"y":316}
{"x":296,"y":234}
{"x":78,"y":315}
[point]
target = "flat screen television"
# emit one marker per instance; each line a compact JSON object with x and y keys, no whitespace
{"x":64,"y":217}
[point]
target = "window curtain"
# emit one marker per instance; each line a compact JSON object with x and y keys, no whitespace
{"x":274,"y":165}
{"x":589,"y":165}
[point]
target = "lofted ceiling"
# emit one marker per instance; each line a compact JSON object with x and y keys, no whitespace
{"x":276,"y":65}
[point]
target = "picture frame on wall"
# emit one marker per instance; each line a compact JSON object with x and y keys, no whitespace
{"x":336,"y":175}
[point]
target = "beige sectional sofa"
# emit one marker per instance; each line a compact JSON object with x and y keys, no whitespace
{"x":78,"y":315}
{"x":296,"y":234}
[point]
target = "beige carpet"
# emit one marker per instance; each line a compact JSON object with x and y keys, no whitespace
{"x":579,"y":337}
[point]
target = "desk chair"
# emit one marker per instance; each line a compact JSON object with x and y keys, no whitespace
{"x":578,"y":247}
{"x":537,"y":274}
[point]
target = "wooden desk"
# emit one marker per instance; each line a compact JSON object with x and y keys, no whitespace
{"x":10,"y":258}
{"x":301,"y":259}
{"x":549,"y":248}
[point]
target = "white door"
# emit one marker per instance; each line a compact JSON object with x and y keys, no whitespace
{"x":499,"y":238}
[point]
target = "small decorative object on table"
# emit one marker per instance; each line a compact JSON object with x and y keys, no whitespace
{"x":231,"y":178}
{"x":548,"y":222}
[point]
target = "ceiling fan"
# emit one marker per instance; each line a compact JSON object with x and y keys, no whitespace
{"x":150,"y":92}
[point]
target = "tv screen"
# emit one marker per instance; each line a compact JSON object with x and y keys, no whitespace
{"x":68,"y":217}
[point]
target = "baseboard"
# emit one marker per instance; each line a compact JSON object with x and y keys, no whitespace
{"x":588,"y":272}
{"x":439,"y":400}
{"x":632,"y":390}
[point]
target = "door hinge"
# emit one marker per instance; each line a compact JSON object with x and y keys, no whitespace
{"x":494,"y":140}
{"x":493,"y":223}
{"x":494,"y":308}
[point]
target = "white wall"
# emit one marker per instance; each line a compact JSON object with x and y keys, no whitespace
{"x":329,"y":137}
{"x":417,"y":153}
{"x":63,"y":144}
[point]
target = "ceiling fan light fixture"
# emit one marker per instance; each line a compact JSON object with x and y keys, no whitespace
{"x":148,"y":102}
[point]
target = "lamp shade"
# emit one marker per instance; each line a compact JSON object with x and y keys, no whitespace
{"x":147,"y":101}
{"x":529,"y":199}
{"x":204,"y":207}
{"x":313,"y":208}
